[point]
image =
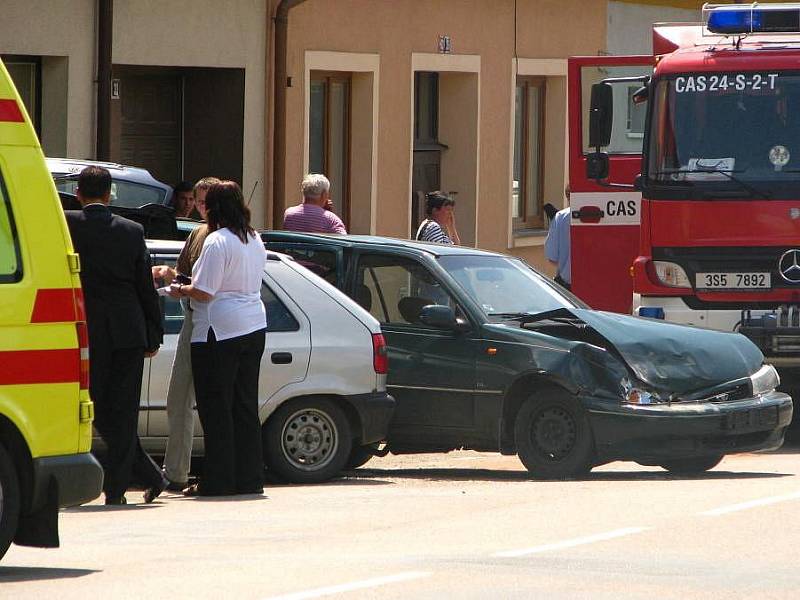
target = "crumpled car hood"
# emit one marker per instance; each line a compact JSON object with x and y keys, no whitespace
{"x":675,"y":359}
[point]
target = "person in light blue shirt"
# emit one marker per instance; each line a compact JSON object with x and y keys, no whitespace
{"x":557,"y":245}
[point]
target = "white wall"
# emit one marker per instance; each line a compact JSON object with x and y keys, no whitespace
{"x":205,"y":33}
{"x":63,"y":28}
{"x":630,"y":25}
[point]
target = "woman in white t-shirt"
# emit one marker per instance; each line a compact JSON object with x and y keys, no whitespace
{"x":227,"y":345}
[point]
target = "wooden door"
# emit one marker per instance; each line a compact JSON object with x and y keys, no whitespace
{"x":150,"y":128}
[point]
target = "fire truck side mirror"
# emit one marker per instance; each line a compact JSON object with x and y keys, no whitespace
{"x":597,"y":166}
{"x":601,"y":115}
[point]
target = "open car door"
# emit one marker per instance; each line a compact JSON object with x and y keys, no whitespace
{"x":604,"y":228}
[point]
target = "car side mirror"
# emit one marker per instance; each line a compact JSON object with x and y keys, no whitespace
{"x":597,"y":166}
{"x":440,"y":317}
{"x":601,"y":115}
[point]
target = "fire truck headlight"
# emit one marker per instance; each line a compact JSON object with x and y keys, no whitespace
{"x":671,"y":275}
{"x":765,"y":380}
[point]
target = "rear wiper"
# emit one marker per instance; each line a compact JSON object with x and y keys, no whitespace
{"x":726,"y":172}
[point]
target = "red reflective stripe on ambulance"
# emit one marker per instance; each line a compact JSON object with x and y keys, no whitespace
{"x":55,"y":305}
{"x":10,"y":112}
{"x":21,"y":367}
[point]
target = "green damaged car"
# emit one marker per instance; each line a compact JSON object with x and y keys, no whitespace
{"x":485,"y":353}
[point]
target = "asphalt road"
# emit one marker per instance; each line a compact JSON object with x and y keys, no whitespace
{"x":464,"y":525}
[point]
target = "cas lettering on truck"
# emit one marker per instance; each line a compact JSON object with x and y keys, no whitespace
{"x":705,"y":136}
{"x":45,"y":409}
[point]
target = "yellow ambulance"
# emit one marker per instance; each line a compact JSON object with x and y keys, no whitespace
{"x":45,"y":410}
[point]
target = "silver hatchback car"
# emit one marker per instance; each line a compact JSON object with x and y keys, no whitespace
{"x":323,"y":399}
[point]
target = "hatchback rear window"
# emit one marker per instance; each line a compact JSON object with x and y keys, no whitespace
{"x":123,"y":193}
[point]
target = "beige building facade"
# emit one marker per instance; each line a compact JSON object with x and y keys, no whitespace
{"x":390,"y":99}
{"x":466,"y":96}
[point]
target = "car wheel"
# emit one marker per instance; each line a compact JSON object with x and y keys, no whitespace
{"x":553,"y":437}
{"x":692,"y":465}
{"x":359,"y":456}
{"x":9,"y":500}
{"x":307,"y":440}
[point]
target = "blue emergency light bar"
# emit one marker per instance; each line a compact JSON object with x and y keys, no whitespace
{"x":752,"y":18}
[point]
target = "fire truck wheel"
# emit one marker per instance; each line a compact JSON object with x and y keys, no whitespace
{"x":553,"y":436}
{"x":692,"y":465}
{"x":9,"y":500}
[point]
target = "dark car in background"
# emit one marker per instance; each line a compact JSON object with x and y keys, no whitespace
{"x":131,"y":187}
{"x":135,"y":194}
{"x":485,"y":353}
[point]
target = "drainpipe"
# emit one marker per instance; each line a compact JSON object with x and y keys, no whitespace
{"x":105,"y":24}
{"x":279,"y":135}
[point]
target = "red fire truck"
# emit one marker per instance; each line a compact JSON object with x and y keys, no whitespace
{"x":685,"y":173}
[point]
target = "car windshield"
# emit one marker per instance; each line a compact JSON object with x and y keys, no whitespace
{"x":505,"y":286}
{"x":123,"y":193}
{"x":727,"y":131}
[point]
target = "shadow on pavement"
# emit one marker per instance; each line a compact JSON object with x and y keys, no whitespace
{"x":500,"y":475}
{"x":348,"y":478}
{"x":101,"y":508}
{"x":11,"y":574}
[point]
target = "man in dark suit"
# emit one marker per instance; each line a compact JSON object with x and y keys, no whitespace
{"x":124,"y":321}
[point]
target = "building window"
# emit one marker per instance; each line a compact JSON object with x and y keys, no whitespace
{"x":634,"y":125}
{"x":527,"y":189}
{"x":329,"y":136}
{"x":26,"y":73}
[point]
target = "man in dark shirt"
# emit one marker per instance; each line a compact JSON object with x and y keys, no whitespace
{"x":124,"y":321}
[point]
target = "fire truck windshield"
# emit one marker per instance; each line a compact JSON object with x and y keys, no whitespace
{"x":718,"y":133}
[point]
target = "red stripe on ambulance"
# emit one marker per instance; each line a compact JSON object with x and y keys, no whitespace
{"x":22,"y":367}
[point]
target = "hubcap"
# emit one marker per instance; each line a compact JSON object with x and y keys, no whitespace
{"x":309,"y":439}
{"x":553,"y":433}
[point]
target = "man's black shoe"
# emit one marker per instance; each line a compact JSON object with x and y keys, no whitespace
{"x":154,"y":492}
{"x":177,"y":486}
{"x":115,"y":501}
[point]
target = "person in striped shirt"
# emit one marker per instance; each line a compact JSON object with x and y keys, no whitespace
{"x":315,"y":214}
{"x":440,"y":226}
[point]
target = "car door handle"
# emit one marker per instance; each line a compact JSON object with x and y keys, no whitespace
{"x":281,"y":358}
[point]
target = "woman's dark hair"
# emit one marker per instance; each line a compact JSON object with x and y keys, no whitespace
{"x":437,"y":200}
{"x":225,"y":208}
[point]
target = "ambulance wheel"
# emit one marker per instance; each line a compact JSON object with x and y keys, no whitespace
{"x":9,"y":500}
{"x":687,"y":466}
{"x":553,"y":436}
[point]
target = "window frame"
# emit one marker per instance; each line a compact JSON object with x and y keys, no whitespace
{"x":328,"y":77}
{"x":526,"y":220}
{"x":5,"y":204}
{"x":35,"y":62}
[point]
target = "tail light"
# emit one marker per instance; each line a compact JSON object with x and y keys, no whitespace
{"x":380,"y":354}
{"x":83,"y":343}
{"x":83,"y":337}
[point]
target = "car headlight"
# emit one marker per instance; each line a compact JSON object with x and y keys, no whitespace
{"x":671,"y":275}
{"x":765,"y":380}
{"x":638,"y":396}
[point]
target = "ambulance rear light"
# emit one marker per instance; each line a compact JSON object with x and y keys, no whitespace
{"x":727,"y":19}
{"x":669,"y":274}
{"x":83,"y":345}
